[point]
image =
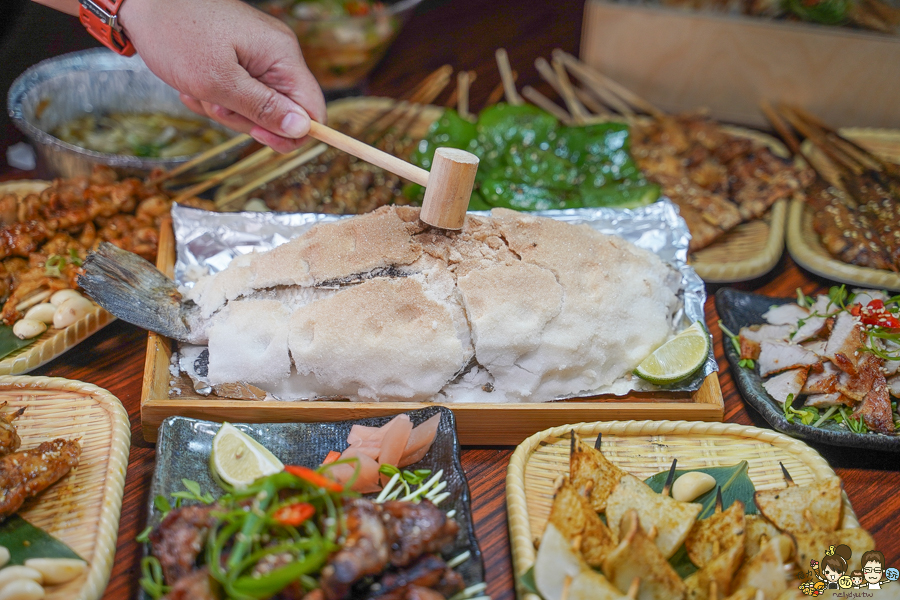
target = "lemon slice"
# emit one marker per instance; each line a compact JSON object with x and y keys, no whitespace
{"x":678,"y":358}
{"x":238,"y":459}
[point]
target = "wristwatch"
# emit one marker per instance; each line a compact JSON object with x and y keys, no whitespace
{"x":100,"y":17}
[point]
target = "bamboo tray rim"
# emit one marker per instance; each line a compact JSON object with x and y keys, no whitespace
{"x":803,"y":242}
{"x":520,"y":534}
{"x":104,"y":551}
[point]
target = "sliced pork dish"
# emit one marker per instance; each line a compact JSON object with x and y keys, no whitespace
{"x":834,"y":358}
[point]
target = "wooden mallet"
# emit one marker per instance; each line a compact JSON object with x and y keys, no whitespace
{"x":448,"y":187}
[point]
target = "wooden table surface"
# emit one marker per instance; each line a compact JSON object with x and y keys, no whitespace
{"x":465,"y":33}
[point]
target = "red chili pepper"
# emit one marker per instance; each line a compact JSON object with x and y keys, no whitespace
{"x":876,"y":304}
{"x":317,"y":479}
{"x":854,"y":310}
{"x":331,"y":457}
{"x":356,"y":8}
{"x":294,"y":514}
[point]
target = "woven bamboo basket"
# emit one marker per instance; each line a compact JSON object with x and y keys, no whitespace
{"x":645,"y":448}
{"x":82,"y":509}
{"x":52,"y":342}
{"x":753,"y":248}
{"x":802,"y":240}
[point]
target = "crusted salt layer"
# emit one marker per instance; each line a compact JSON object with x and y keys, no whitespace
{"x":248,"y":342}
{"x":511,"y":308}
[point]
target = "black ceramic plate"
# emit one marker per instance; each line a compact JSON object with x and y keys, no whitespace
{"x":184,"y":445}
{"x":738,"y":309}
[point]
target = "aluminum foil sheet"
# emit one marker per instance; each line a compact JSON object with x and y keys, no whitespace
{"x":208,"y":241}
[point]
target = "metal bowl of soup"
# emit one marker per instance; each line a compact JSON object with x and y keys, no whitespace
{"x":56,"y":102}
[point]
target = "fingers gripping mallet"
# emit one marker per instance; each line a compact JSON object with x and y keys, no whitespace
{"x":448,"y":187}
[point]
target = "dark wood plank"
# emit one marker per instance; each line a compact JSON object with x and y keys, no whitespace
{"x":463,"y":33}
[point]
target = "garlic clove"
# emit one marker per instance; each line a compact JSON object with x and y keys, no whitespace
{"x":57,"y":570}
{"x":25,"y":329}
{"x":691,"y":486}
{"x":62,"y":295}
{"x":17,"y":572}
{"x":70,"y":311}
{"x":41,"y":312}
{"x":22,"y":589}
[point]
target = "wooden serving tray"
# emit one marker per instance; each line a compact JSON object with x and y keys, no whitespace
{"x":645,"y":448}
{"x":165,"y":395}
{"x":82,"y":509}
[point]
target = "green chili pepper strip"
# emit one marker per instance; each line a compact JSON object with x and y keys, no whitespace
{"x":253,"y":524}
{"x":275,"y":581}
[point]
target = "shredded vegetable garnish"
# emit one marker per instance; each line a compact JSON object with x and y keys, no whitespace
{"x":152,"y":578}
{"x":402,"y":486}
{"x":270,"y":519}
{"x":746,"y":363}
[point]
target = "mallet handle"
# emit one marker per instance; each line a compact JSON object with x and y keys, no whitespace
{"x":368,"y":153}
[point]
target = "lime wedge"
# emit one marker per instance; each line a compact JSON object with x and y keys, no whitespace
{"x":238,"y":459}
{"x":678,"y":358}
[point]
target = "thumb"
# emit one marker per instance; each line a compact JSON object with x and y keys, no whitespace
{"x":266,"y":107}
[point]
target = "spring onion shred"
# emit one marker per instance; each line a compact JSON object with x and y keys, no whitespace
{"x":826,"y":416}
{"x":455,"y":562}
{"x":387,"y":489}
{"x":424,"y":487}
{"x":470,"y":592}
{"x":451,"y":514}
{"x":437,"y":490}
{"x":438,"y":499}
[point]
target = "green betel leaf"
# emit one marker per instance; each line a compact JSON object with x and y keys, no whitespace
{"x":24,"y":541}
{"x":734,"y":481}
{"x":527,"y":581}
{"x":735,"y":484}
{"x":681,"y":563}
{"x":9,"y":343}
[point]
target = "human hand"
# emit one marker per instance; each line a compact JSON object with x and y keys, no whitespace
{"x":230,"y":62}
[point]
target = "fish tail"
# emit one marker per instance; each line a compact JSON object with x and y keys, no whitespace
{"x":135,"y":291}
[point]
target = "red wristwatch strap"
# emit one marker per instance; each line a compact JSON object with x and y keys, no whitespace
{"x":100,"y":18}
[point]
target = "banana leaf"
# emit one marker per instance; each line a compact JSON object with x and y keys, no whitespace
{"x":9,"y":343}
{"x":735,"y":484}
{"x":24,"y":541}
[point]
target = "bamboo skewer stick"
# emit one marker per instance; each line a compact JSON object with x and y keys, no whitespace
{"x":781,"y":127}
{"x":421,"y":93}
{"x":579,"y":112}
{"x":497,"y":93}
{"x":542,"y":101}
{"x":548,"y":73}
{"x":509,"y":84}
{"x":201,"y":158}
{"x":462,"y":86}
{"x":589,"y":101}
{"x":583,"y":71}
{"x":606,"y":97}
{"x":818,"y":138}
{"x":866,"y":158}
{"x":242,"y":165}
{"x":293,"y":161}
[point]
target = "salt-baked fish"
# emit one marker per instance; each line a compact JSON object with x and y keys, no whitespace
{"x":381,"y":306}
